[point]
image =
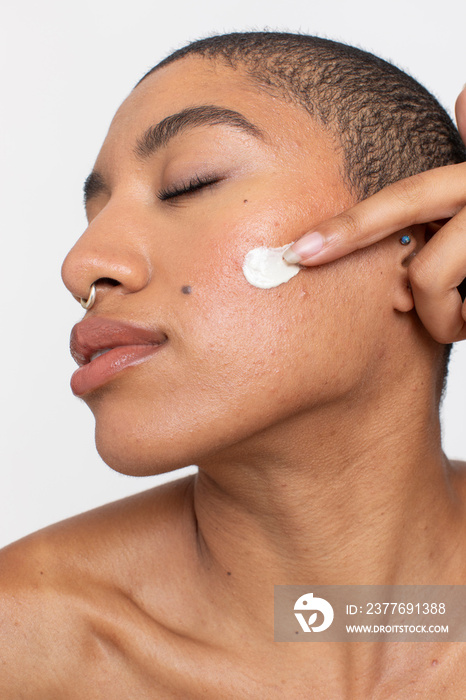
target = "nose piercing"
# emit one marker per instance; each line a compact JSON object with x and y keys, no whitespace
{"x":405,"y":240}
{"x":89,"y":302}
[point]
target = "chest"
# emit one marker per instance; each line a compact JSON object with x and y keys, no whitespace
{"x":154,"y":663}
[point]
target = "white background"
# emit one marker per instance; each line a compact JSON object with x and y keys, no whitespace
{"x":65,"y":69}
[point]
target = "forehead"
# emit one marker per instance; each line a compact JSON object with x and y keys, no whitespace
{"x":194,"y":81}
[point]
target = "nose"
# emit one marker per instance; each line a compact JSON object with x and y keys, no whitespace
{"x":109,"y":254}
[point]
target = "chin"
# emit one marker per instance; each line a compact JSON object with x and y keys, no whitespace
{"x":127,"y":458}
{"x":135,"y":442}
{"x":131,"y":452}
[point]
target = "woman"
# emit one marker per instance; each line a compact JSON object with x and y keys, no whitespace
{"x":311,"y":408}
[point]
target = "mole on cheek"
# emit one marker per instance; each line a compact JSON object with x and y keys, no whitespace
{"x":186,"y":290}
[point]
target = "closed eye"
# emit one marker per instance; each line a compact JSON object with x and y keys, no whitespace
{"x":196,"y":183}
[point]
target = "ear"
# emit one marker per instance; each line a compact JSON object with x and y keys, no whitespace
{"x":403,"y":299}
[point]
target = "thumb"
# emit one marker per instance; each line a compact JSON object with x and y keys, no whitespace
{"x":460,"y":110}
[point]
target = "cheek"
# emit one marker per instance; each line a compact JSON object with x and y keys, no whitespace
{"x":307,"y":341}
{"x":297,"y":343}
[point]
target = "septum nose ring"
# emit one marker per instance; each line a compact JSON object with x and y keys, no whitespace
{"x":89,"y":302}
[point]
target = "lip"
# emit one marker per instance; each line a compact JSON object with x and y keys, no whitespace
{"x":130,"y":345}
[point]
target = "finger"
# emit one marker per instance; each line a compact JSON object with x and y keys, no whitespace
{"x":428,"y":196}
{"x":460,"y":110}
{"x":434,"y":275}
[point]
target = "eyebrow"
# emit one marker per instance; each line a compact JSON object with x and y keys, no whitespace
{"x":158,"y":135}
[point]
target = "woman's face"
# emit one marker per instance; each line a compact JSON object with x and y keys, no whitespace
{"x":237,"y":360}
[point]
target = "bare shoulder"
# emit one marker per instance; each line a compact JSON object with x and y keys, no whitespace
{"x":94,"y":542}
{"x":30,"y":614}
{"x":60,"y":587}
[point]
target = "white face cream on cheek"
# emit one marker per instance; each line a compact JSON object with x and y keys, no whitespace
{"x":265,"y":267}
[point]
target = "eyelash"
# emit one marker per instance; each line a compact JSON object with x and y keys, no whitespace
{"x":196,"y":183}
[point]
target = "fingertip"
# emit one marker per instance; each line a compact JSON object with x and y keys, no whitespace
{"x":291,"y":256}
{"x":307,"y":246}
{"x":460,"y":111}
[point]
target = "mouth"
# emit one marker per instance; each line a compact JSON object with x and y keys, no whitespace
{"x":103,"y":347}
{"x":97,"y":354}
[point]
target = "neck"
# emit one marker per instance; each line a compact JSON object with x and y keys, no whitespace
{"x":354,"y":494}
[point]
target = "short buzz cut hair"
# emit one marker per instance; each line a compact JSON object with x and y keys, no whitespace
{"x":388,"y":125}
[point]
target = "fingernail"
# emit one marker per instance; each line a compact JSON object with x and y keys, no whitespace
{"x":306,"y":247}
{"x":291,"y":257}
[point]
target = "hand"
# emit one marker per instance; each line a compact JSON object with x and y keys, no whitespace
{"x":439,"y":268}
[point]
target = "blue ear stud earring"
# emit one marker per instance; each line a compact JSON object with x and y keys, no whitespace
{"x":405,"y":240}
